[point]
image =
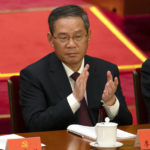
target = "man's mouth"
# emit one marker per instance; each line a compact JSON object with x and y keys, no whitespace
{"x":72,"y":54}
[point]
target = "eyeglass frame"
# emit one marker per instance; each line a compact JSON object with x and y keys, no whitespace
{"x":69,"y":37}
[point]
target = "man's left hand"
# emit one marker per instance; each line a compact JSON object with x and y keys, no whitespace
{"x":108,"y":95}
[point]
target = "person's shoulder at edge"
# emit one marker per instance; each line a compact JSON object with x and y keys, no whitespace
{"x":146,"y":63}
{"x":39,"y":64}
{"x":99,"y":61}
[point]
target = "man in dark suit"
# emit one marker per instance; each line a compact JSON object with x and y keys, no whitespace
{"x":145,"y":84}
{"x":51,"y":99}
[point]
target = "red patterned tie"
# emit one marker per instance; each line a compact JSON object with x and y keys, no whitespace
{"x":83,"y":114}
{"x":102,"y":115}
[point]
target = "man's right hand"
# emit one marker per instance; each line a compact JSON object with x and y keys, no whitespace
{"x":80,"y":84}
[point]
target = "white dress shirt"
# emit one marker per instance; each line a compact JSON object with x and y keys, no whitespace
{"x":74,"y":104}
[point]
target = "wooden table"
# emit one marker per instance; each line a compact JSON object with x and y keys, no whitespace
{"x":63,"y":140}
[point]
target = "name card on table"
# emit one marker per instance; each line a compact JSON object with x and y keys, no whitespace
{"x":24,"y":144}
{"x":143,"y":139}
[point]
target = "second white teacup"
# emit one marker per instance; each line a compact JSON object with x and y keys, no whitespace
{"x":106,"y":133}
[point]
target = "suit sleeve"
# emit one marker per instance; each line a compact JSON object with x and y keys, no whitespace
{"x":38,"y":113}
{"x":124,"y":116}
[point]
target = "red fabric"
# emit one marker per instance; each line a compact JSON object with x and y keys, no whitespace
{"x":5,"y":127}
{"x":107,"y":46}
{"x":4,"y":103}
{"x":133,"y":112}
{"x":23,"y":40}
{"x":126,"y":80}
{"x":22,"y":4}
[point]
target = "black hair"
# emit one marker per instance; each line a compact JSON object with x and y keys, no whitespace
{"x":66,"y":11}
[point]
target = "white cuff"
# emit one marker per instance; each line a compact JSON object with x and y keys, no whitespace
{"x":73,"y":103}
{"x":112,"y":111}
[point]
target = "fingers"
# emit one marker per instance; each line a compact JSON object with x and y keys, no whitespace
{"x":110,"y":79}
{"x":85,"y":70}
{"x":109,"y":76}
{"x":80,"y":84}
{"x":84,"y":75}
{"x":110,"y":88}
{"x":116,"y":82}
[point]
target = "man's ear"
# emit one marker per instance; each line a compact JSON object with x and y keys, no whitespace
{"x":50,"y":39}
{"x":89,"y":35}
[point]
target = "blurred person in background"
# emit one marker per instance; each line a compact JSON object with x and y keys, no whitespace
{"x":145,"y":84}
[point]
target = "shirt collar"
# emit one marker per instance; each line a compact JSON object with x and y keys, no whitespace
{"x":69,"y":72}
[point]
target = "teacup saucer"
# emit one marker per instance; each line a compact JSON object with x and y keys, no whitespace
{"x":95,"y":144}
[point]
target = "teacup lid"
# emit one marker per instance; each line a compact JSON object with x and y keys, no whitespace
{"x":107,"y":123}
{"x":107,"y":120}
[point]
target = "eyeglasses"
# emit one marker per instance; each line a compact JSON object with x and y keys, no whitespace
{"x":66,"y":38}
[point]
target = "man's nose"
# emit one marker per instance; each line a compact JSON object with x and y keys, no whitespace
{"x":71,"y":42}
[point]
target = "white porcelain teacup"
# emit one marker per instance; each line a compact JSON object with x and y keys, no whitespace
{"x":106,"y":133}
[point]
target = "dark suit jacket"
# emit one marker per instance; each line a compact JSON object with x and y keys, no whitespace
{"x":45,"y":87}
{"x":145,"y":84}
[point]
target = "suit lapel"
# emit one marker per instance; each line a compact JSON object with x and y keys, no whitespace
{"x":92,"y":93}
{"x":59,"y":77}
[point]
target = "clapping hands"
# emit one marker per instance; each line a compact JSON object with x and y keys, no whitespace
{"x":108,"y":95}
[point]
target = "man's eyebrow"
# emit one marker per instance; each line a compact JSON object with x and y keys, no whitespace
{"x":62,"y":33}
{"x":76,"y":32}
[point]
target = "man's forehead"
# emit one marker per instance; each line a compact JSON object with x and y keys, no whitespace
{"x":72,"y":24}
{"x":69,"y":17}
